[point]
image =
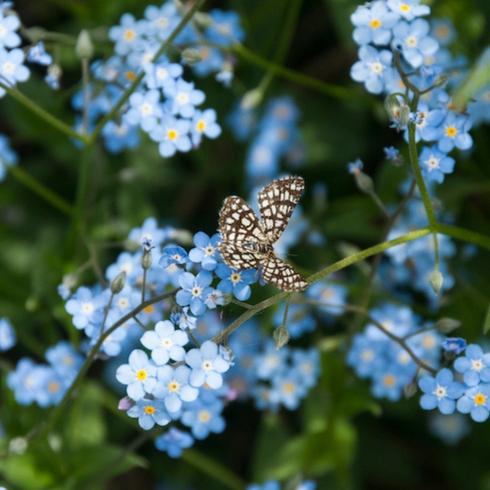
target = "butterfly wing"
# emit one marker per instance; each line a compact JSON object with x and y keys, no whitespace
{"x":276,"y":272}
{"x":241,"y":234}
{"x":277,"y":202}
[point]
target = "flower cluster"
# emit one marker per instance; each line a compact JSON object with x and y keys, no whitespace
{"x":389,"y":366}
{"x":391,"y":30}
{"x":166,"y":106}
{"x":276,"y":137}
{"x":45,"y":384}
{"x":465,"y":388}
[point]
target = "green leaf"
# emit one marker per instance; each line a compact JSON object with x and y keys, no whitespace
{"x":478,"y":77}
{"x":25,"y":471}
{"x":486,"y":323}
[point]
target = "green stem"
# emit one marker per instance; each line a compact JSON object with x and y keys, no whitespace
{"x":331,"y":90}
{"x":464,"y":235}
{"x":287,"y":31}
{"x":40,"y":189}
{"x":322,"y":274}
{"x":163,"y":48}
{"x":58,"y":410}
{"x":43,"y":114}
{"x":213,"y":468}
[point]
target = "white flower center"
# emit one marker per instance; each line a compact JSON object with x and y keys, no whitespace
{"x":182,"y":98}
{"x":411,"y":41}
{"x":440,"y":391}
{"x":162,"y":73}
{"x":196,"y":291}
{"x":207,"y":365}
{"x":167,"y":342}
{"x":87,"y":308}
{"x":209,"y":250}
{"x":3,"y":31}
{"x":123,"y":302}
{"x":477,"y":365}
{"x":8,"y":68}
{"x":377,"y":67}
{"x":432,"y":163}
{"x":146,"y":109}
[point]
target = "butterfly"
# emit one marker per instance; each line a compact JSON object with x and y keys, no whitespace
{"x":248,"y":243}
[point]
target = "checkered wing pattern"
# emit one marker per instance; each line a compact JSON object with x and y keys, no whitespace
{"x":282,"y":275}
{"x":277,"y":202}
{"x":241,"y":234}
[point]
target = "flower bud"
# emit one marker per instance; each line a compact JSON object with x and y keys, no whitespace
{"x":410,"y":389}
{"x":281,"y":336}
{"x":118,"y":283}
{"x":436,"y":280}
{"x":447,"y":325}
{"x":364,"y":182}
{"x":191,"y":56}
{"x":84,"y":47}
{"x":125,"y":404}
{"x":146,"y":259}
{"x":252,"y":99}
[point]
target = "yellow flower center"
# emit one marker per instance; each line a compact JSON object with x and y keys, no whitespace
{"x":172,"y":134}
{"x":389,"y":380}
{"x":149,"y":410}
{"x":141,"y":374}
{"x":405,"y":8}
{"x":289,"y":388}
{"x":442,"y":32}
{"x":53,"y":387}
{"x":204,"y":416}
{"x":367,"y":355}
{"x":451,"y":132}
{"x":129,"y":35}
{"x":173,"y":386}
{"x":201,"y":125}
{"x":149,"y":309}
{"x":131,"y":75}
{"x":480,"y":399}
{"x":411,"y":41}
{"x":375,"y":24}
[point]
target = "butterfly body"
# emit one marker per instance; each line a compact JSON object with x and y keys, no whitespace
{"x":247,"y":242}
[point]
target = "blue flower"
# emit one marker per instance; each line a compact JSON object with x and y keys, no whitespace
{"x":476,"y":402}
{"x":373,"y":68}
{"x":408,"y":9}
{"x":427,"y":122}
{"x":443,"y":31}
{"x":9,"y":24}
{"x":139,"y":375}
{"x":7,"y":335}
{"x":206,"y":250}
{"x":453,"y":132}
{"x":450,"y":428}
{"x":454,"y":345}
{"x":172,"y":255}
{"x":435,"y":164}
{"x":128,"y":35}
{"x":333,"y":295}
{"x":24,"y":381}
{"x":391,"y":153}
{"x":161,"y":20}
{"x":289,"y":389}
{"x":204,"y":123}
{"x":414,"y":41}
{"x":208,"y":363}
{"x":149,"y":230}
{"x":120,"y":136}
{"x":173,"y":136}
{"x":355,"y":167}
{"x":165,"y":343}
{"x":390,"y":382}
{"x":474,"y":365}
{"x":373,"y":23}
{"x":366,"y":356}
{"x":162,"y":74}
{"x":204,"y":418}
{"x":173,"y":387}
{"x":144,"y":110}
{"x":8,"y":156}
{"x":149,"y":413}
{"x":12,"y":69}
{"x":440,"y":391}
{"x":173,"y":442}
{"x":183,"y":98}
{"x":236,"y":282}
{"x":64,"y":359}
{"x":84,"y":306}
{"x":224,"y":28}
{"x":37,"y":54}
{"x":195,"y":290}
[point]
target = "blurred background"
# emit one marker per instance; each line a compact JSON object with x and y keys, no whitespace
{"x":365,"y":443}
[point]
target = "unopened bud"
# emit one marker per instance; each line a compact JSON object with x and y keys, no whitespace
{"x":125,"y":404}
{"x":84,"y":47}
{"x":436,"y":280}
{"x":447,"y":325}
{"x":398,"y":110}
{"x":146,"y":259}
{"x":252,"y":99}
{"x":364,"y":182}
{"x":281,"y":336}
{"x":191,"y":56}
{"x":410,"y":389}
{"x":117,"y":284}
{"x":35,"y":34}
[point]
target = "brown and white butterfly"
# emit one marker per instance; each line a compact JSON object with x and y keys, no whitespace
{"x":247,"y":242}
